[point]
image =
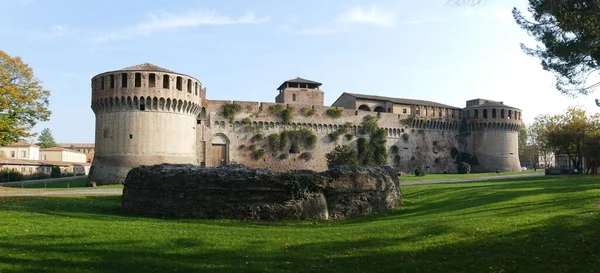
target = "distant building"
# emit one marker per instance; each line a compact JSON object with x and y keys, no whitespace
{"x":86,"y":148}
{"x":29,"y":159}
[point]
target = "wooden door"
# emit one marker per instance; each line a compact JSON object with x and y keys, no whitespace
{"x":219,"y":155}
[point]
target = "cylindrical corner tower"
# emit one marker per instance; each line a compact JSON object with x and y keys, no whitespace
{"x":145,"y":115}
{"x":494,"y":129}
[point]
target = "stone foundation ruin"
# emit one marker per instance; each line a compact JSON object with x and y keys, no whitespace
{"x":238,"y":192}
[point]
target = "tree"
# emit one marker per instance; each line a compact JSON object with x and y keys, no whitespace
{"x":569,"y":31}
{"x":46,"y":140}
{"x":23,"y":101}
{"x":341,"y":155}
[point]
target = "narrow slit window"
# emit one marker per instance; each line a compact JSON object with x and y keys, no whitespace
{"x":123,"y":79}
{"x":196,"y":89}
{"x":101,"y":82}
{"x":494,"y":115}
{"x":293,"y":97}
{"x":485,"y":114}
{"x":138,"y":80}
{"x":502,"y":113}
{"x":189,"y":86}
{"x":112,"y":81}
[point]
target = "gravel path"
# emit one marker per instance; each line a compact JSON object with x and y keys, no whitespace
{"x":476,"y":179}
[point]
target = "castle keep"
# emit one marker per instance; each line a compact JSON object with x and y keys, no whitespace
{"x":149,"y":115}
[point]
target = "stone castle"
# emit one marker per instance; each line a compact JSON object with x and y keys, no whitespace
{"x":148,"y":115}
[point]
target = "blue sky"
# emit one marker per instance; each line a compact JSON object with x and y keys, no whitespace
{"x":243,"y":50}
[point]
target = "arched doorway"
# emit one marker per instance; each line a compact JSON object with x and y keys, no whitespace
{"x":364,"y":108}
{"x":220,"y":150}
{"x":379,"y":109}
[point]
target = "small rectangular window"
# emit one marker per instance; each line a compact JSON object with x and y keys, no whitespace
{"x":123,"y":80}
{"x":13,"y":154}
{"x":138,"y":80}
{"x":23,"y":154}
{"x":112,"y":81}
{"x":142,"y":107}
{"x":179,"y":84}
{"x":189,"y":86}
{"x":166,"y":82}
{"x":197,"y":89}
{"x":130,"y":136}
{"x":404,"y":111}
{"x":475,"y":113}
{"x":152,"y":80}
{"x":101,"y":82}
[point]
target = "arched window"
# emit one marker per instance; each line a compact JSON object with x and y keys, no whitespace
{"x":379,"y":109}
{"x":509,"y":114}
{"x":123,"y":79}
{"x":138,"y":80}
{"x":166,"y":82}
{"x":502,"y":113}
{"x":364,"y":108}
{"x":151,"y":80}
{"x":189,"y":86}
{"x":485,"y":114}
{"x":494,"y":113}
{"x":293,"y":97}
{"x":112,"y":81}
{"x":417,"y":111}
{"x":179,"y":83}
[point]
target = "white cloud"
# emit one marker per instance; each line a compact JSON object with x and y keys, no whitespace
{"x":169,"y":22}
{"x":369,"y":15}
{"x":166,"y":22}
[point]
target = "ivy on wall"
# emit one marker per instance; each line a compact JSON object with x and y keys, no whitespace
{"x":334,"y":112}
{"x":230,"y":110}
{"x":285,"y":113}
{"x":308,"y":112}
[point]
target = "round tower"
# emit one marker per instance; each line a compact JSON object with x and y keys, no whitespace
{"x":494,"y":129}
{"x":145,"y":115}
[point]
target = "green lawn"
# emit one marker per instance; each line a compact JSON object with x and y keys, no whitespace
{"x":536,"y":224}
{"x":76,"y":184}
{"x":413,"y":178}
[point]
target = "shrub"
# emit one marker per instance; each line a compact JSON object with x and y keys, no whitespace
{"x":283,"y":156}
{"x":397,"y":159}
{"x":464,"y":168}
{"x":252,"y":148}
{"x":369,"y":124}
{"x":306,"y":156}
{"x":230,"y":110}
{"x":348,"y":137}
{"x":337,"y":133}
{"x":287,"y":115}
{"x":308,"y":112}
{"x":55,"y":172}
{"x":36,"y":176}
{"x":453,"y":152}
{"x":10,"y":175}
{"x":275,"y":142}
{"x":334,"y":112}
{"x":405,"y":137}
{"x":304,"y":137}
{"x":258,"y":154}
{"x":437,"y":160}
{"x":257,"y":138}
{"x":394,"y":149}
{"x":420,"y":171}
{"x":242,"y":147}
{"x":341,"y":155}
{"x":246,"y":121}
{"x":275,"y":109}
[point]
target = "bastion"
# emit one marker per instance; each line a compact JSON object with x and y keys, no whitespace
{"x":238,"y":192}
{"x":148,"y":115}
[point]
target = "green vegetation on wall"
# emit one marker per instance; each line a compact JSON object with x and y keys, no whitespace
{"x":230,"y":110}
{"x":334,"y":112}
{"x":258,"y":154}
{"x":308,"y":112}
{"x":341,"y":155}
{"x":334,"y":136}
{"x":286,"y":114}
{"x":297,"y":139}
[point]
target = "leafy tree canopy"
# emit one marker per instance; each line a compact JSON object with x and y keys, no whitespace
{"x":569,"y":33}
{"x":23,"y":101}
{"x":46,"y":140}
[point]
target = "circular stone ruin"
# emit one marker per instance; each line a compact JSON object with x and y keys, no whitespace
{"x":238,"y":192}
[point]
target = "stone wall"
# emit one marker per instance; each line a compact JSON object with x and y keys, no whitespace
{"x":238,"y":192}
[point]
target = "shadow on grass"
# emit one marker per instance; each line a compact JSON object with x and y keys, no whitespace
{"x":559,"y":244}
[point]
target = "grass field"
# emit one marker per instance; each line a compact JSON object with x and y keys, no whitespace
{"x":413,"y":178}
{"x":536,"y":224}
{"x":76,"y":184}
